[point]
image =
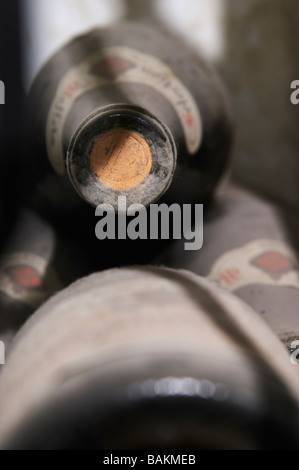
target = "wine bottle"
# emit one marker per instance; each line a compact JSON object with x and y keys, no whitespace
{"x":128,"y":110}
{"x":250,"y":248}
{"x":34,"y":264}
{"x":147,"y":358}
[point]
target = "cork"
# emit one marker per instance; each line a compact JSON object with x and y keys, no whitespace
{"x":121,"y":158}
{"x":121,"y":149}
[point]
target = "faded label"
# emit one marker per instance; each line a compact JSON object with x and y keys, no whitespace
{"x":119,"y":64}
{"x":263,"y":261}
{"x":28,"y":278}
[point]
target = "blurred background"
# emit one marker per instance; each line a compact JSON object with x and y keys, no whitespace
{"x":254,"y":45}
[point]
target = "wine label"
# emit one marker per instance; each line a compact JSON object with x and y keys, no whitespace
{"x":119,"y":65}
{"x":27,"y":277}
{"x":262,"y":261}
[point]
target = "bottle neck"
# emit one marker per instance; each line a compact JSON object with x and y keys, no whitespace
{"x":121,"y":150}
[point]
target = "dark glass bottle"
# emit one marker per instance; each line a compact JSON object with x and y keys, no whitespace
{"x":147,"y":358}
{"x":35,"y":263}
{"x":250,"y":248}
{"x":128,"y":110}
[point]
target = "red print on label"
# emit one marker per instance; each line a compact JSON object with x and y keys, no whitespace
{"x":110,"y":67}
{"x":71,"y":89}
{"x":273,"y":263}
{"x":230,"y":275}
{"x":25,"y":277}
{"x":189,"y":119}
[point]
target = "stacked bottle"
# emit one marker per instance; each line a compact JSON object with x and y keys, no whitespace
{"x":128,"y":111}
{"x":250,"y":248}
{"x":147,"y":358}
{"x":35,"y":263}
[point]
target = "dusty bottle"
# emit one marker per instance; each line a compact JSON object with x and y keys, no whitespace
{"x":147,"y":358}
{"x":129,"y":110}
{"x":34,"y":264}
{"x":250,"y":248}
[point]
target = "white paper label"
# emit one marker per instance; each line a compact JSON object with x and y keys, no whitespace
{"x":262,"y":261}
{"x":28,"y":278}
{"x":117,"y":65}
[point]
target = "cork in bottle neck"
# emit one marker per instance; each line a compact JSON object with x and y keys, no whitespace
{"x":121,"y":150}
{"x":121,"y":158}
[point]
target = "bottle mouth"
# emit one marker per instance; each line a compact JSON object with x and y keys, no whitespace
{"x":121,"y":150}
